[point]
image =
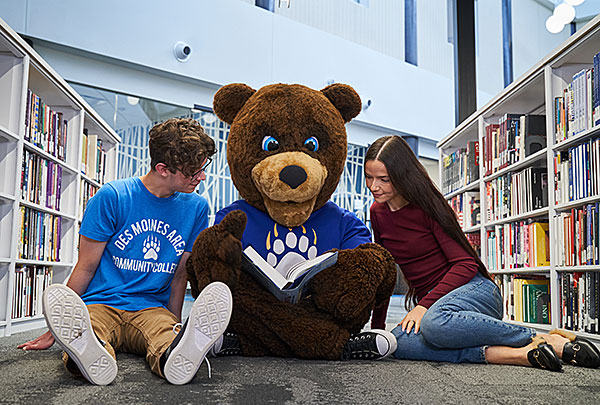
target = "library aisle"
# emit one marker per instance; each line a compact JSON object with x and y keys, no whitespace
{"x":523,"y":175}
{"x":55,"y":153}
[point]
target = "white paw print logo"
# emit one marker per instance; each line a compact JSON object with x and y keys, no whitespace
{"x":288,"y":249}
{"x":151,"y":248}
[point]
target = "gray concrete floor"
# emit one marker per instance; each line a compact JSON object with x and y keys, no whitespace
{"x":38,"y":377}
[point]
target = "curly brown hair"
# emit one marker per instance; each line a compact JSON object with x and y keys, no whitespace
{"x":181,"y":144}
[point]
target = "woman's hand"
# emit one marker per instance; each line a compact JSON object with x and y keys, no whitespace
{"x":40,"y":343}
{"x":413,"y":319}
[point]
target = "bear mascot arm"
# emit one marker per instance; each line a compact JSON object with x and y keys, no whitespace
{"x":217,"y":253}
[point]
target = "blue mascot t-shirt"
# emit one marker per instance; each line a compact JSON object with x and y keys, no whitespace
{"x":146,"y":236}
{"x":327,"y":228}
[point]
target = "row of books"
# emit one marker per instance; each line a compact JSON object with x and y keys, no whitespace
{"x":87,"y":191}
{"x":577,"y":172}
{"x":44,"y":127}
{"x":515,"y":137}
{"x":93,"y":157}
{"x":467,"y":208}
{"x":526,"y":297}
{"x":30,"y":283}
{"x":460,"y":167}
{"x":578,"y":108}
{"x":580,"y":301}
{"x":517,"y":245}
{"x":578,"y":236}
{"x":41,"y":180}
{"x":40,"y":235}
{"x":516,"y":193}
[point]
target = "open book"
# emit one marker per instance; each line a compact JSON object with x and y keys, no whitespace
{"x":286,"y":284}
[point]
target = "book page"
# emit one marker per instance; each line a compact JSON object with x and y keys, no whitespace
{"x":266,"y":268}
{"x":298,"y":269}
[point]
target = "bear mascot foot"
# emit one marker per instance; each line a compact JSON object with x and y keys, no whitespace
{"x":362,"y":279}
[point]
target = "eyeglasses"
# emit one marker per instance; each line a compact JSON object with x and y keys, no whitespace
{"x":203,"y":168}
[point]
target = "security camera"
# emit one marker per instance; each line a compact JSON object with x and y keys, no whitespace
{"x":182,"y":51}
{"x":366,"y":103}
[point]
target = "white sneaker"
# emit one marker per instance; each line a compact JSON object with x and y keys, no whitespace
{"x":206,"y":323}
{"x":69,"y":322}
{"x":373,"y":344}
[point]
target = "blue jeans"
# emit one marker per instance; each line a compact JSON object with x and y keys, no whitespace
{"x":458,"y":327}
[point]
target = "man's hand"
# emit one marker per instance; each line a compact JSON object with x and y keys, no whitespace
{"x":413,"y":319}
{"x":41,"y":343}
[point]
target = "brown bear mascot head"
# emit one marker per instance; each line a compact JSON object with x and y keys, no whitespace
{"x":287,"y":144}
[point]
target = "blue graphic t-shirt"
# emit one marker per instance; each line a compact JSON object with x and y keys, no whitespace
{"x":146,"y":236}
{"x":327,"y":228}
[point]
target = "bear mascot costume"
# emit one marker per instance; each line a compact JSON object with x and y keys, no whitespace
{"x":286,"y":152}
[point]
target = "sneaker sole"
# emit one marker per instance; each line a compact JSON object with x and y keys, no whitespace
{"x":207,"y":321}
{"x":69,"y":321}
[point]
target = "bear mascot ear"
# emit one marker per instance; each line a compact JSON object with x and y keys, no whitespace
{"x":230,"y":99}
{"x":345,"y":99}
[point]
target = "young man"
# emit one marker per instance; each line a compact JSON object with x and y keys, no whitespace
{"x":126,"y":291}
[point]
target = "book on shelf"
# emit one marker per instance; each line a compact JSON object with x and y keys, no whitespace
{"x":40,"y":235}
{"x":29,"y":284}
{"x":44,"y":127}
{"x":461,"y":167}
{"x":515,"y":137}
{"x":596,"y":89}
{"x":579,"y":306}
{"x":537,"y":301}
{"x":577,"y":171}
{"x":286,"y":283}
{"x":84,"y":151}
{"x":519,"y":244}
{"x":577,"y":109}
{"x":539,"y":240}
{"x":466,"y":206}
{"x":533,"y":133}
{"x":474,"y":239}
{"x":40,"y":180}
{"x":578,"y":236}
{"x":526,"y":297}
{"x":516,"y":193}
{"x":87,"y":191}
{"x":92,"y":155}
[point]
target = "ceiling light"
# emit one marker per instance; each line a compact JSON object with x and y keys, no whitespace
{"x":565,"y":13}
{"x":554,"y":25}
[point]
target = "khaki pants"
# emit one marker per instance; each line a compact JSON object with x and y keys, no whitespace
{"x":148,"y":332}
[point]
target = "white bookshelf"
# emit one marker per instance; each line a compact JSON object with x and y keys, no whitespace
{"x":534,"y":93}
{"x":22,"y":69}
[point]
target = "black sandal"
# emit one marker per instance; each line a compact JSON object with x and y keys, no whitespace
{"x":543,"y":356}
{"x":579,"y":351}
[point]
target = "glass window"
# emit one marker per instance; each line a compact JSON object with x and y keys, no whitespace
{"x":132,"y":118}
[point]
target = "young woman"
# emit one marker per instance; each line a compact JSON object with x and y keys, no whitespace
{"x":457,"y":309}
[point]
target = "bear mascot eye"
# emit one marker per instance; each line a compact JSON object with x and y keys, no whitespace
{"x":270,"y":144}
{"x":312,"y":144}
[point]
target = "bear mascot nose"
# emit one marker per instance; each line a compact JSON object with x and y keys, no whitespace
{"x":292,"y":175}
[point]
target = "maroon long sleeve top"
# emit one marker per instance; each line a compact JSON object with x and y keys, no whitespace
{"x":432,"y":262}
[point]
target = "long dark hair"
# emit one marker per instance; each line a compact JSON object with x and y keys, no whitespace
{"x":410,"y":179}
